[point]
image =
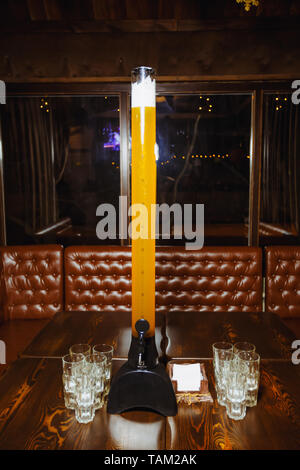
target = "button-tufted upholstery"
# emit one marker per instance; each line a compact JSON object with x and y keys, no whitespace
{"x":33,"y":281}
{"x":212,"y":279}
{"x":98,"y":278}
{"x":283,"y":280}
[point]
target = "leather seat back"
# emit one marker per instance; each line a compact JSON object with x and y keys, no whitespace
{"x":98,"y":278}
{"x":33,"y":281}
{"x":212,"y":279}
{"x":283,"y":280}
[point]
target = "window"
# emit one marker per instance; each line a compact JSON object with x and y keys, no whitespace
{"x":62,"y":159}
{"x":203,"y":157}
{"x":66,"y":153}
{"x":280,"y":168}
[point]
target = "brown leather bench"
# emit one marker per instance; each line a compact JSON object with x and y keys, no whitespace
{"x":212,"y":279}
{"x":283,"y":284}
{"x":31,"y":293}
{"x":35,"y":285}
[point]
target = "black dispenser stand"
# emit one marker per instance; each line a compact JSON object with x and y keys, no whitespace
{"x":142,"y":382}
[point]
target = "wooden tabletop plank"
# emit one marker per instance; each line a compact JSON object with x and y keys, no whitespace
{"x":178,"y":334}
{"x":274,"y":424}
{"x":68,"y":328}
{"x":191,"y":334}
{"x":33,"y":415}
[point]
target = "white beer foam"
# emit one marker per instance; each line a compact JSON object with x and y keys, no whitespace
{"x":143,"y":93}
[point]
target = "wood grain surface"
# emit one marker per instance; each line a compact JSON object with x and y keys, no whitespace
{"x":191,"y":335}
{"x":274,"y":424}
{"x":178,"y":334}
{"x":68,"y":328}
{"x":33,"y":415}
{"x":17,"y":335}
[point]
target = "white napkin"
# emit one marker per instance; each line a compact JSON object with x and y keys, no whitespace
{"x":188,"y":377}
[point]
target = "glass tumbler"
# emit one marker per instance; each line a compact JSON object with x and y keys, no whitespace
{"x":98,"y":371}
{"x":84,"y":349}
{"x":242,"y":346}
{"x":84,"y":397}
{"x":236,"y":388}
{"x":107,"y":350}
{"x":222,"y":360}
{"x":72,"y":368}
{"x":249,"y":363}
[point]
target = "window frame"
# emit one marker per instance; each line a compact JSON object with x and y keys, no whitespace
{"x":122,"y":89}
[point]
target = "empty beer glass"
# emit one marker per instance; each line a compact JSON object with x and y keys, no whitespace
{"x":98,"y":371}
{"x":84,"y":349}
{"x":107,"y":350}
{"x":85,"y":392}
{"x":249,"y":363}
{"x":72,"y":368}
{"x":84,"y":397}
{"x":222,"y":360}
{"x":235,"y":393}
{"x":243,"y":346}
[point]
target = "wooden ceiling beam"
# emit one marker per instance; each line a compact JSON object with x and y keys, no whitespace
{"x":16,"y":10}
{"x":36,"y":10}
{"x":52,"y":9}
{"x":148,"y":26}
{"x":109,"y":9}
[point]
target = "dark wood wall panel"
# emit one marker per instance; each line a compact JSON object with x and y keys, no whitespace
{"x":26,"y":57}
{"x":20,"y":10}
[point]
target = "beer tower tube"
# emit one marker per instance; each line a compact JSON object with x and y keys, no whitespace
{"x":143,"y":187}
{"x":142,"y":382}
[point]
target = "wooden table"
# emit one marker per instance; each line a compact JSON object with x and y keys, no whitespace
{"x":191,"y":335}
{"x":33,"y":416}
{"x":178,"y":335}
{"x":67,"y":328}
{"x":272,"y":425}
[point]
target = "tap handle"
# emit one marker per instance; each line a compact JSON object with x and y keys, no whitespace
{"x":142,"y":326}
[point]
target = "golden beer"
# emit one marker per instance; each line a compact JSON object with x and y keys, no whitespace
{"x":143,"y":187}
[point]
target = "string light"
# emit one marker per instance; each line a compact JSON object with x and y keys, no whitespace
{"x":280,"y":102}
{"x":204,"y":106}
{"x":45,"y":105}
{"x":183,"y":157}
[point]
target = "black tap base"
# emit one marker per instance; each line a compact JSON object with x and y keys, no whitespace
{"x":149,"y":389}
{"x":148,"y":354}
{"x":142,"y":383}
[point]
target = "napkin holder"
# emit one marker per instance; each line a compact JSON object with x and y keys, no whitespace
{"x":142,"y":383}
{"x":201,"y":394}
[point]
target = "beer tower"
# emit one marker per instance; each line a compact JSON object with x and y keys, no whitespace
{"x":142,"y":382}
